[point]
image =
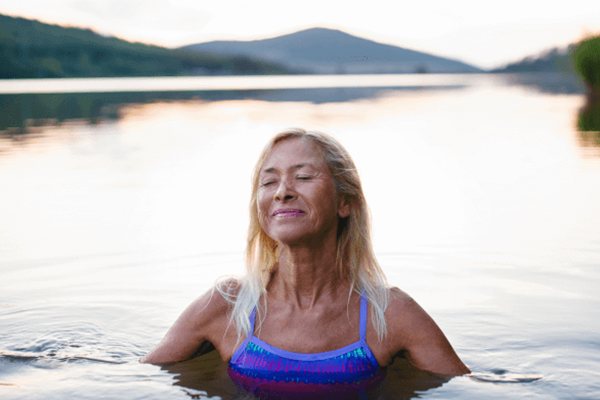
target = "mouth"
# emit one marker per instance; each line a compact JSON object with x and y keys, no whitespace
{"x":288,"y":213}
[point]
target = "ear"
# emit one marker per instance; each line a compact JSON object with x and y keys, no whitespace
{"x":344,"y":208}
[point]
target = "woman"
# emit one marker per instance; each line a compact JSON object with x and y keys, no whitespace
{"x":314,"y":307}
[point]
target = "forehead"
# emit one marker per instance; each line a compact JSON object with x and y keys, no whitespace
{"x":291,"y":152}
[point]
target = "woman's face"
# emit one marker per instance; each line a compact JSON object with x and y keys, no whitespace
{"x":296,"y":194}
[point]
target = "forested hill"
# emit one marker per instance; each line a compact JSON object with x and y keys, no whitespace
{"x":553,"y":60}
{"x":31,"y":49}
{"x":330,"y":51}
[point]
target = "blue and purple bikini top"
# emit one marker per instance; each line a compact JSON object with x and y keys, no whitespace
{"x":266,"y":370}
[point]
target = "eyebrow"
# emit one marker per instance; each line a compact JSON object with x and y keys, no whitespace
{"x":272,"y":170}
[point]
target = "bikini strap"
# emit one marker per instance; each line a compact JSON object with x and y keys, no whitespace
{"x":252,"y":319}
{"x":243,"y":346}
{"x":363,"y":315}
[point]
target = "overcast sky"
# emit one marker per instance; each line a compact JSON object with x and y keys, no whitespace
{"x":485,"y":34}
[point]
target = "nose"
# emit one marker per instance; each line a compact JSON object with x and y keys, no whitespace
{"x":285,"y":191}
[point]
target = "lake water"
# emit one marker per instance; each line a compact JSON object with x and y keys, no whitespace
{"x":485,"y":209}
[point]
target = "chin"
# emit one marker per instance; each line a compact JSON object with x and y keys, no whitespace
{"x":290,"y":237}
{"x":289,"y":240}
{"x":285,"y":234}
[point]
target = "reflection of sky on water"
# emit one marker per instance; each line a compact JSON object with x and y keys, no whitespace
{"x":449,"y":165}
{"x":484,"y":207}
{"x":29,"y":104}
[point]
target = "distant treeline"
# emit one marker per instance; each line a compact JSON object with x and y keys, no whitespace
{"x":31,"y":49}
{"x":554,"y":60}
{"x":587,"y":63}
{"x":581,"y":58}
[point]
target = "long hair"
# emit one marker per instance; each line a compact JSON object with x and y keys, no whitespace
{"x":355,"y":258}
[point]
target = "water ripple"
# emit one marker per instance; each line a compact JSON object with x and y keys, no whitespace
{"x":17,"y":356}
{"x":503,"y":376}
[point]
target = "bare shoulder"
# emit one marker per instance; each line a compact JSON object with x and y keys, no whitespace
{"x":413,"y":332}
{"x":403,"y":308}
{"x":405,"y":318}
{"x":399,"y":297}
{"x":212,"y":305}
{"x":204,"y":320}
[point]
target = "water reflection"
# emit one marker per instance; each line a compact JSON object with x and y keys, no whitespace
{"x":588,"y":122}
{"x":206,"y":376}
{"x":484,"y":211}
{"x":546,"y":82}
{"x":23,"y":113}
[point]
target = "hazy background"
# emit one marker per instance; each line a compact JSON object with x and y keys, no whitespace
{"x":486,"y":34}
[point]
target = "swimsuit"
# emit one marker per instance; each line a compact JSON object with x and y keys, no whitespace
{"x":266,"y":370}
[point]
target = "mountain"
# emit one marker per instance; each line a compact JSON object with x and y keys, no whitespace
{"x":31,"y":49}
{"x":329,"y":51}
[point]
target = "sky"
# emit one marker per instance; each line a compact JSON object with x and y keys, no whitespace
{"x":485,"y":34}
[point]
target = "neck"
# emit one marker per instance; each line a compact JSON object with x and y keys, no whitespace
{"x":308,"y":274}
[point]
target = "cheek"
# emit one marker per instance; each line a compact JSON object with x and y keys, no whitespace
{"x":262,"y":208}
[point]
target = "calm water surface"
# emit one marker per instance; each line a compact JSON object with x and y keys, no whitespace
{"x":485,"y":208}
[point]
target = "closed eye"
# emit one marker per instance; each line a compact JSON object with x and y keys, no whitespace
{"x":304,"y":177}
{"x":268,"y":183}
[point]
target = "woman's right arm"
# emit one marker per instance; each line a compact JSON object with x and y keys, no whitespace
{"x":204,"y":320}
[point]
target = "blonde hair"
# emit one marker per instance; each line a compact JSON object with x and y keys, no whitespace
{"x":354,"y":255}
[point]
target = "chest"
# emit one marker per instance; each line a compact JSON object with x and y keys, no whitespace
{"x":314,"y":331}
{"x":304,"y":348}
{"x":317,"y":332}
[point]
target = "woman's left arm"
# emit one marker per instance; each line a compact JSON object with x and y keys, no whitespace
{"x":412,"y":331}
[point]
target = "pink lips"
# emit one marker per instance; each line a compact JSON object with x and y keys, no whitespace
{"x":288,"y":212}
